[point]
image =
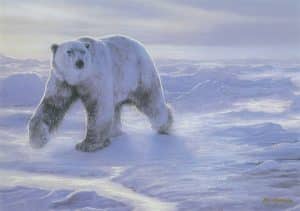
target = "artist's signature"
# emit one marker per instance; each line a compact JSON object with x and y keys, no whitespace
{"x":268,"y":200}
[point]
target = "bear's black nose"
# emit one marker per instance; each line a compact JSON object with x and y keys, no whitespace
{"x":79,"y":63}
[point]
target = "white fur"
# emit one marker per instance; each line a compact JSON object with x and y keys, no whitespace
{"x":116,"y":69}
{"x":64,"y":64}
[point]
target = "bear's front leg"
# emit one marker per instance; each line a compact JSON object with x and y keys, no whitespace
{"x":56,"y":101}
{"x":38,"y":132}
{"x":99,"y":123}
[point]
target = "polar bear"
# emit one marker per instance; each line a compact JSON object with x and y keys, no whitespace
{"x":104,"y":74}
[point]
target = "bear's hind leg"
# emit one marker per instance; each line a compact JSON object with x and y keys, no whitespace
{"x":153,"y":105}
{"x":116,"y":128}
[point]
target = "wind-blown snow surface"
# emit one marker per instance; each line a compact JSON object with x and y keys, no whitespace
{"x":235,"y":144}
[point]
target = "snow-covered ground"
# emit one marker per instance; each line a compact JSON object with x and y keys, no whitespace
{"x":235,"y":144}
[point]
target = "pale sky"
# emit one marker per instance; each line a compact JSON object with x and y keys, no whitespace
{"x":28,"y":28}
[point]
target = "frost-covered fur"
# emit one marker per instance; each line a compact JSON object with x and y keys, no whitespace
{"x":104,"y":74}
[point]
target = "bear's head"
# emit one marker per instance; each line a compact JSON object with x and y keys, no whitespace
{"x":72,"y":61}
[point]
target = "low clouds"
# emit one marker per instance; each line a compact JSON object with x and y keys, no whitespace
{"x":173,"y":22}
{"x":263,"y":8}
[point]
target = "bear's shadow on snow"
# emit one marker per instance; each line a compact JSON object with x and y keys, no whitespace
{"x":129,"y":149}
{"x":61,"y":158}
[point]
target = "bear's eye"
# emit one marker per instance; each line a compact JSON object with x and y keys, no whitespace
{"x":69,"y":52}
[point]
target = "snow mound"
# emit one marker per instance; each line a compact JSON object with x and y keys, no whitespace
{"x":42,"y":199}
{"x":9,"y":66}
{"x":260,"y":134}
{"x":295,"y":208}
{"x":84,"y":199}
{"x":281,"y":151}
{"x":295,"y":106}
{"x":21,"y":90}
{"x":213,"y":89}
{"x":265,"y":167}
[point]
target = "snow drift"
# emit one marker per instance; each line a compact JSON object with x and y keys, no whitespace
{"x":21,"y":90}
{"x":235,"y":144}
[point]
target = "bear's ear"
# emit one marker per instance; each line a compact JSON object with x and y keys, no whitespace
{"x":54,"y":48}
{"x":87,"y":45}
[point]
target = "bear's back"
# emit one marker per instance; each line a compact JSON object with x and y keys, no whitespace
{"x":124,"y":54}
